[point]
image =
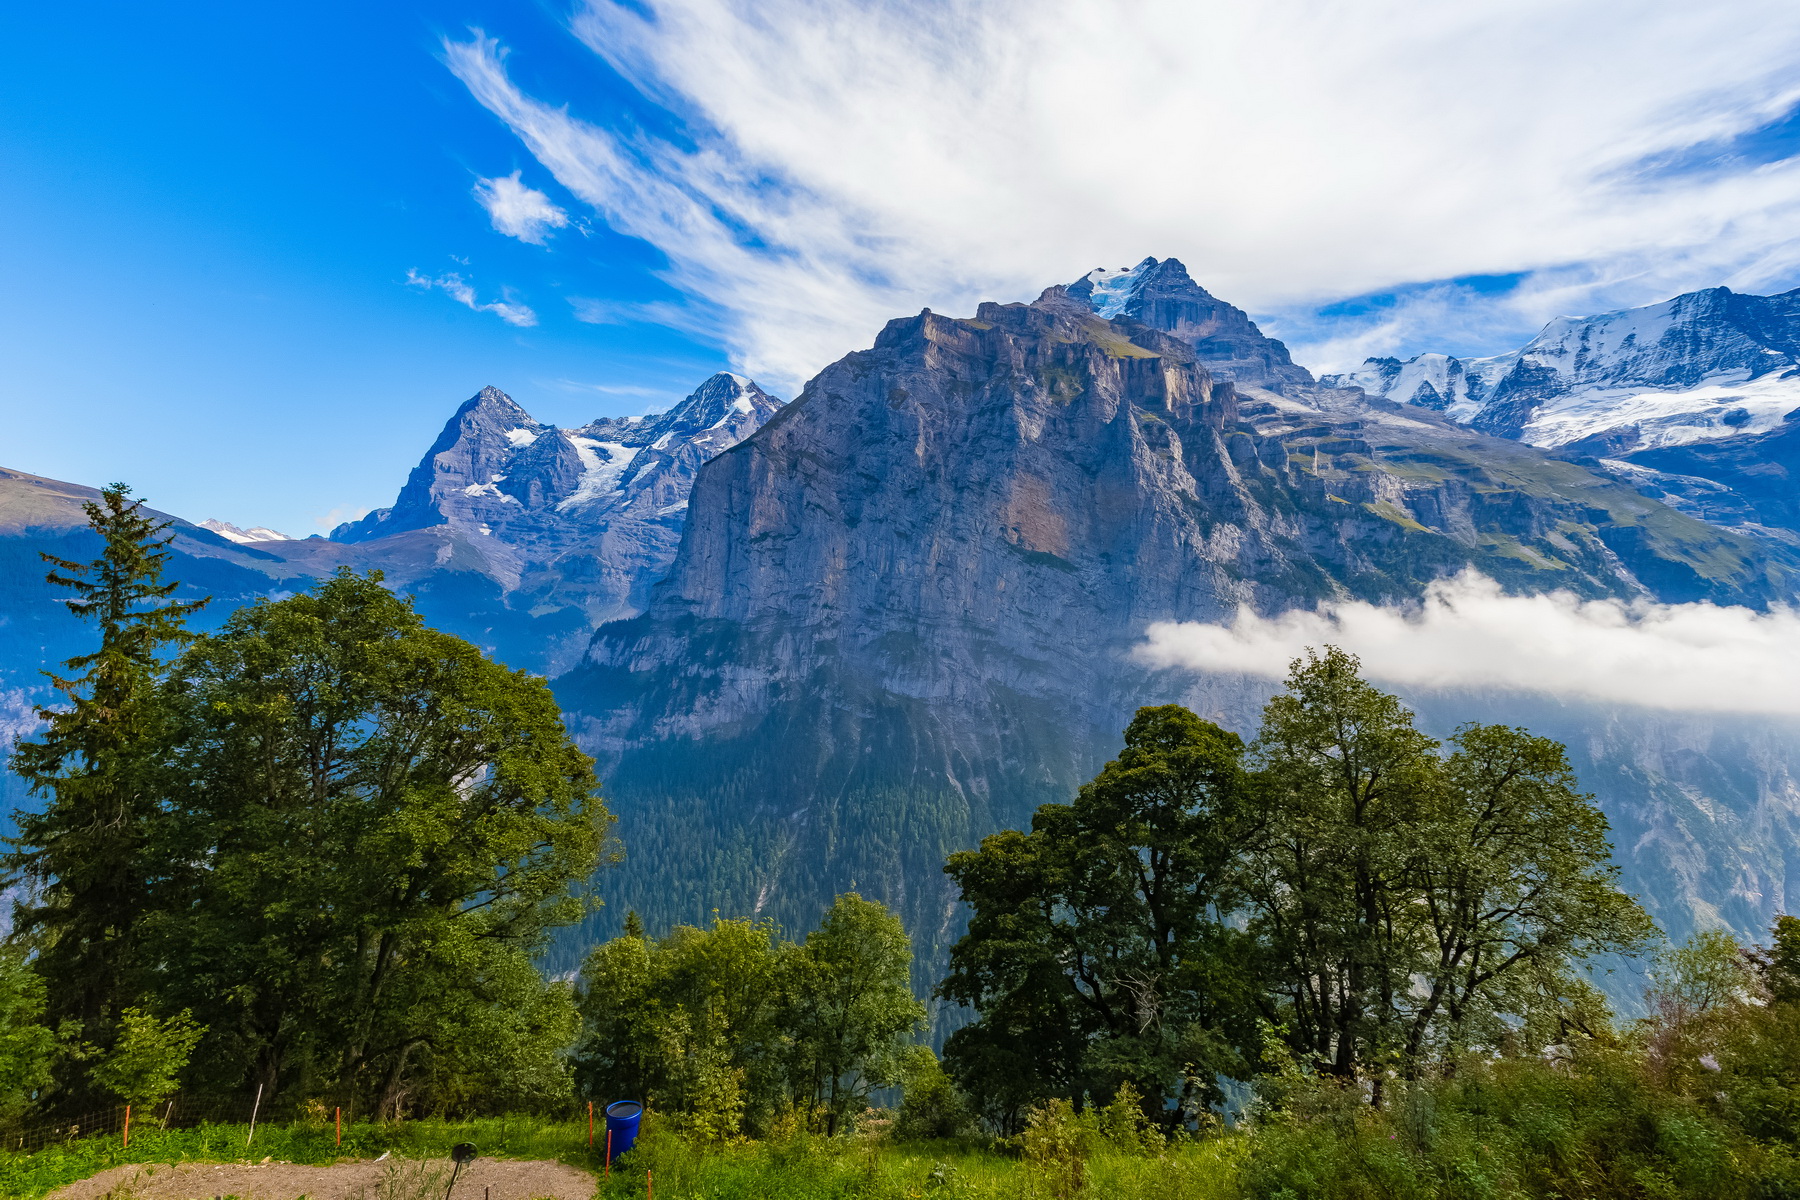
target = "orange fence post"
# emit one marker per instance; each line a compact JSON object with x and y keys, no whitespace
{"x":128,"y":1125}
{"x":609,"y":1152}
{"x":590,"y":1122}
{"x":339,"y":1118}
{"x":649,"y":1187}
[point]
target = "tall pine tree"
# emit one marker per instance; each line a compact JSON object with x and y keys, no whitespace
{"x":97,"y":764}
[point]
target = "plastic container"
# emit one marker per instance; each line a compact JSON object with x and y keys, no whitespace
{"x":622,"y":1124}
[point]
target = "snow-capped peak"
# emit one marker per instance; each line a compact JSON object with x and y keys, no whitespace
{"x":244,"y":537}
{"x":1699,"y":367}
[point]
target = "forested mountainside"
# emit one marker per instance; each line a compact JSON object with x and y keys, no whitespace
{"x":902,"y":612}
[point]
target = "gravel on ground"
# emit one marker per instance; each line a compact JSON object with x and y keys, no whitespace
{"x":393,"y":1179}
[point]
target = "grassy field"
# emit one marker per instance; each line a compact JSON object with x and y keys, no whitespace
{"x":796,"y":1168}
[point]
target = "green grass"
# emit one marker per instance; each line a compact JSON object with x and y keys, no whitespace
{"x":812,"y":1168}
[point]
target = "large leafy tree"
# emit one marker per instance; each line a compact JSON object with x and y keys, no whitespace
{"x":1098,"y":951}
{"x":725,"y":1027}
{"x":852,"y":1009}
{"x":382,"y":825}
{"x":1349,"y":784}
{"x":1412,"y":902}
{"x":690,"y":1023}
{"x":100,"y":762}
{"x":1347,"y":881}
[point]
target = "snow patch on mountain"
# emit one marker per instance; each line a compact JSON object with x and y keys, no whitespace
{"x":1704,"y":366}
{"x":603,"y":465}
{"x":244,"y":537}
{"x":1725,"y":405}
{"x":1113,"y":290}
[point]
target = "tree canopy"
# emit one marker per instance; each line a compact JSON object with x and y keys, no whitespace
{"x":1342,"y":881}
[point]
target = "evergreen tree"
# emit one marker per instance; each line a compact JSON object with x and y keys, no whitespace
{"x":99,"y":762}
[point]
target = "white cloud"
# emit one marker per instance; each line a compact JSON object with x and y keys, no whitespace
{"x":453,"y":286}
{"x":519,"y":211}
{"x":852,"y":160}
{"x":1467,"y":634}
{"x":339,"y":514}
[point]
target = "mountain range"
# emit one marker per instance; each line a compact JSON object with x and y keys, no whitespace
{"x":817,"y":646}
{"x":1691,"y":401}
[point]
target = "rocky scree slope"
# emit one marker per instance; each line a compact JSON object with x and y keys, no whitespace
{"x":902,"y":612}
{"x":1689,"y":400}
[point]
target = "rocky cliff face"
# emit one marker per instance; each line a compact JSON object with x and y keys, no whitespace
{"x":902,"y":612}
{"x":1688,"y":400}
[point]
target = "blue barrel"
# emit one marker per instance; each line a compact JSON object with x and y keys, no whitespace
{"x":622,"y":1124}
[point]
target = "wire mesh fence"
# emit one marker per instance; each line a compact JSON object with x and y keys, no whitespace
{"x":122,"y":1120}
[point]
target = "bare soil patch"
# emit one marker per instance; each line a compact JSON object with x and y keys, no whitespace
{"x":394,"y":1179}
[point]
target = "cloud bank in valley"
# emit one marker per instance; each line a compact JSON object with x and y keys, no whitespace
{"x":842,"y":162}
{"x":1468,"y":634}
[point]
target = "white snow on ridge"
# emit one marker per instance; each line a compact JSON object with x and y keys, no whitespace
{"x":1729,"y":404}
{"x":244,"y":537}
{"x":603,"y":465}
{"x":1113,"y":289}
{"x":521,"y":437}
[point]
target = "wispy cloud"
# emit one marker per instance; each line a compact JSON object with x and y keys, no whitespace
{"x":452,"y":285}
{"x":1468,"y":634}
{"x":338,"y":515}
{"x":847,"y":161}
{"x":519,"y":211}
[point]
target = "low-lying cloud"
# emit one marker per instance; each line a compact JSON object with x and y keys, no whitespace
{"x":1468,"y":634}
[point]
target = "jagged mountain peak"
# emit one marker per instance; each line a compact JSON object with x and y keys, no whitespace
{"x":1161,"y":294}
{"x":716,"y":402}
{"x":1702,"y":366}
{"x":243,"y":537}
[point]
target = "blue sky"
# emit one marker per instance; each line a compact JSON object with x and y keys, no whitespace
{"x":236,"y":235}
{"x":211,"y":213}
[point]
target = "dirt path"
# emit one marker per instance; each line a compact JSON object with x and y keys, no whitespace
{"x":403,"y":1179}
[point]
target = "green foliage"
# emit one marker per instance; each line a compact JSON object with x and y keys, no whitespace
{"x":1383,"y":903}
{"x":384,"y":824}
{"x":727,"y":1026}
{"x":688,"y":1023}
{"x":27,"y":1045}
{"x":148,"y":1057}
{"x":1416,"y":904}
{"x":931,"y":1106}
{"x":851,"y":1008}
{"x":101,"y":762}
{"x":1097,"y":952}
